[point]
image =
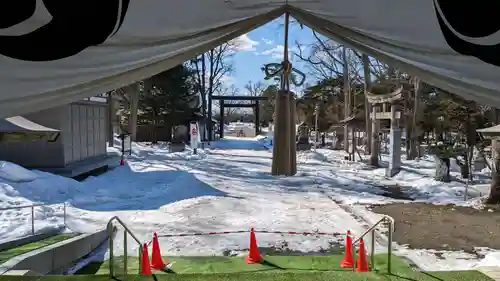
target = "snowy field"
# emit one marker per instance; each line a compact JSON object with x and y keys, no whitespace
{"x":225,"y":187}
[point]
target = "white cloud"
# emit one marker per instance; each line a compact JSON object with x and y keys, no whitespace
{"x":277,"y":52}
{"x":227,"y":80}
{"x":267,"y":41}
{"x":244,"y":44}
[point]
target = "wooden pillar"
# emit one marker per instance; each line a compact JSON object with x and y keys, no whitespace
{"x":395,"y":144}
{"x":281,"y":142}
{"x":221,"y":120}
{"x":257,"y":118}
{"x":293,"y":135}
{"x":209,"y":109}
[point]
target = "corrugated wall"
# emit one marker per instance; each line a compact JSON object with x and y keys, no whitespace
{"x":86,"y":127}
{"x":83,"y":135}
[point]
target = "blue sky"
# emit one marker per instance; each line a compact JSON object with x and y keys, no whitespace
{"x":265,"y":45}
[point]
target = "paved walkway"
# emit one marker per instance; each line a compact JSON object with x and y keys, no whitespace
{"x":491,"y":271}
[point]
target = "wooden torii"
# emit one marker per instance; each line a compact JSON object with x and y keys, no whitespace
{"x":395,"y":133}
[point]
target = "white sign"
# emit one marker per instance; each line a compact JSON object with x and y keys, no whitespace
{"x":193,"y":130}
{"x":127,"y":144}
{"x":386,"y":115}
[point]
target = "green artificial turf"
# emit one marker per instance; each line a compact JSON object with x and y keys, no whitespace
{"x":274,"y":268}
{"x":7,"y":254}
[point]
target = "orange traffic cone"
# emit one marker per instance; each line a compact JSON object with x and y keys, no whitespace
{"x":156,"y":260}
{"x":348,"y":261}
{"x":145,"y":265}
{"x":253,"y":254}
{"x":362,"y":263}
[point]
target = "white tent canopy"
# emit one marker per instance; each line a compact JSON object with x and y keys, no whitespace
{"x":57,"y":52}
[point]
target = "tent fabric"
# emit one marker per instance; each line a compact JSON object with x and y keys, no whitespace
{"x":54,"y":53}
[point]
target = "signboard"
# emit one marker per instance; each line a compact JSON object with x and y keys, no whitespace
{"x":127,"y":144}
{"x":386,"y":115}
{"x":193,"y":131}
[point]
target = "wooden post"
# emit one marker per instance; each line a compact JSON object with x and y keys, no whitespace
{"x":257,"y":118}
{"x":281,"y":142}
{"x":395,"y":144}
{"x":293,"y":134}
{"x":221,"y":119}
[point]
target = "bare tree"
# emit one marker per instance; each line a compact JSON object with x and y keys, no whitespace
{"x":211,"y":68}
{"x":228,"y":91}
{"x":324,"y":58}
{"x":255,"y":89}
{"x":216,"y":64}
{"x":129,"y":97}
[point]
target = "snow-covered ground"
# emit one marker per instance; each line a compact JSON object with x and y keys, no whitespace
{"x":356,"y":185}
{"x":225,"y":187}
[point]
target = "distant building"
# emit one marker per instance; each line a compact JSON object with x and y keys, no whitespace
{"x":69,"y":140}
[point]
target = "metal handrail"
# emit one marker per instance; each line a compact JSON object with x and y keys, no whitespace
{"x":33,"y":212}
{"x":371,"y":230}
{"x":126,"y":231}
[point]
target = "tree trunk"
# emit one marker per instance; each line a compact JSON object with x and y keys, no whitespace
{"x":347,"y":97}
{"x":368,"y":125}
{"x":134,"y":106}
{"x":407,"y":121}
{"x":494,"y":197}
{"x":442,"y":172}
{"x":111,"y":119}
{"x":204,"y":94}
{"x":414,"y":142}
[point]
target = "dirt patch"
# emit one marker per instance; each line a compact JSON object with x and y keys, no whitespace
{"x":282,"y":249}
{"x":426,"y":226}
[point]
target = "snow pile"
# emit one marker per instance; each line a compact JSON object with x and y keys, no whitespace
{"x":15,"y":173}
{"x":144,"y":150}
{"x":44,"y":188}
{"x":310,"y":156}
{"x":415,"y":180}
{"x":490,"y":259}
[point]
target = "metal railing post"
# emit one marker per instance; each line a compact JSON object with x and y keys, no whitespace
{"x":353,"y":248}
{"x":125,"y":256}
{"x":372,"y":231}
{"x":33,"y":219}
{"x":126,"y":231}
{"x":140,"y":259}
{"x":389,"y":246}
{"x":372,"y":251}
{"x":111,"y":257}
